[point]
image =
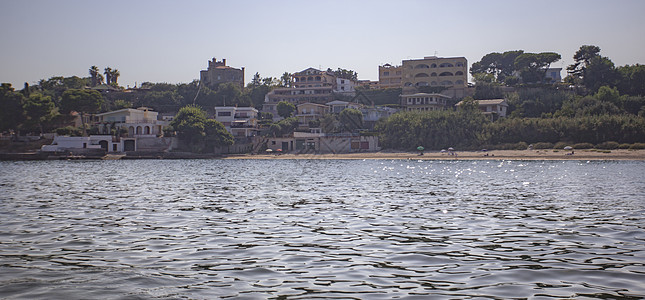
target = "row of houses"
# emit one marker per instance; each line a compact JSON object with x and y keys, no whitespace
{"x":312,"y":91}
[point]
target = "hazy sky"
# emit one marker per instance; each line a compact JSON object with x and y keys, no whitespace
{"x":171,"y":41}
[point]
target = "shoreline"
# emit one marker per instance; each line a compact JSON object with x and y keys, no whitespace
{"x":548,"y":154}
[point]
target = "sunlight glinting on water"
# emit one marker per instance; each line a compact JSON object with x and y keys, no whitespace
{"x":301,"y":229}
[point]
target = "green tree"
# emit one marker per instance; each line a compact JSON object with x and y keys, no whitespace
{"x":329,"y":123}
{"x":190,"y":123}
{"x":229,"y":94}
{"x":286,"y":79}
{"x":499,"y":65}
{"x":81,"y":101}
{"x":285,"y":109}
{"x":39,"y":109}
{"x":216,"y":135}
{"x":346,"y":74}
{"x":95,"y":75}
{"x":599,"y":72}
{"x":11,"y":108}
{"x":108,"y":75}
{"x":632,"y":80}
{"x":533,"y":66}
{"x":351,"y":119}
{"x":257,"y":80}
{"x":115,"y":77}
{"x":582,"y":58}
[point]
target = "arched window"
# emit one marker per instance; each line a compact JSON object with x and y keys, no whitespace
{"x":459,"y":73}
{"x":446,"y":74}
{"x":408,"y":84}
{"x":446,"y":65}
{"x":433,"y":65}
{"x":433,"y":74}
{"x":317,"y":78}
{"x":310,"y":78}
{"x":131,"y":131}
{"x":147,"y":130}
{"x":421,"y":75}
{"x":139,"y":129}
{"x":422,"y":83}
{"x":460,"y":64}
{"x":446,"y":82}
{"x":421,"y":66}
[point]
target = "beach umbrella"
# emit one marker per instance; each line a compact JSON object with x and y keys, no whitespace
{"x":443,"y":150}
{"x":484,"y":150}
{"x":420,"y":148}
{"x":269,"y":150}
{"x":279,"y":150}
{"x":451,"y":149}
{"x":568,"y":148}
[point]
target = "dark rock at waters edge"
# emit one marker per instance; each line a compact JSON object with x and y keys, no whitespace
{"x":24,"y":156}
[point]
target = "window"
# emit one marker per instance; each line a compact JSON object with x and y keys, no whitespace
{"x":460,"y":64}
{"x":224,"y":114}
{"x":386,"y":73}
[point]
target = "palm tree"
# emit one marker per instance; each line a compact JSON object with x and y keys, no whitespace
{"x":94,"y":74}
{"x":285,"y":80}
{"x":115,"y":76}
{"x":108,"y":75}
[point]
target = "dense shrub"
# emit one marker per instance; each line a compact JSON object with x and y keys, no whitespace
{"x":69,"y":130}
{"x":583,"y":146}
{"x":560,"y":145}
{"x":624,"y":146}
{"x":607,"y":145}
{"x":635,"y":146}
{"x":543,"y":145}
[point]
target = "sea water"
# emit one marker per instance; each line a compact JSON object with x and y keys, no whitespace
{"x":302,"y":229}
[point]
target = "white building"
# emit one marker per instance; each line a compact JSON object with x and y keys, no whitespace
{"x":77,"y":144}
{"x":345,"y":86}
{"x":239,"y":121}
{"x":338,"y":106}
{"x":496,"y":108}
{"x":140,"y":122}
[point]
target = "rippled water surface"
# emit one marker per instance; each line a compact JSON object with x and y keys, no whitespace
{"x":302,"y":229}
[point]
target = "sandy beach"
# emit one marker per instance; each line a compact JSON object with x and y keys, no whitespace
{"x":467,"y":155}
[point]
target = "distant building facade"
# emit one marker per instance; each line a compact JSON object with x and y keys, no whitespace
{"x":494,"y":108}
{"x":390,"y":76}
{"x":241,"y":122}
{"x":553,"y":75}
{"x":140,"y":122}
{"x":436,"y":72}
{"x":424,"y":102}
{"x":218,"y":72}
{"x":308,"y":86}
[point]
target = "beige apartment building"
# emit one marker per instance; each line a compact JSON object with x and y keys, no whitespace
{"x":435,"y":71}
{"x":389,"y":76}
